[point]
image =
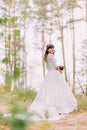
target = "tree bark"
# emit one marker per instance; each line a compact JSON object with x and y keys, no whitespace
{"x":86,"y":30}
{"x":73,"y":47}
{"x":43,"y":45}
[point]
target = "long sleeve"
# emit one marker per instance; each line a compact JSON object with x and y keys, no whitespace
{"x":52,"y":59}
{"x":51,"y":62}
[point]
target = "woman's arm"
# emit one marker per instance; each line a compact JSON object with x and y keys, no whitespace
{"x":52,"y":58}
{"x":58,"y":68}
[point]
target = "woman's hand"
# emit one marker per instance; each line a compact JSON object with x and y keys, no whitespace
{"x":58,"y":68}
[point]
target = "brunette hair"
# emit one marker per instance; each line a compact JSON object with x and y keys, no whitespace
{"x":46,"y":52}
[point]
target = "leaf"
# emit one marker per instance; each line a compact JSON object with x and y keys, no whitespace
{"x":17,"y":32}
{"x":24,"y":13}
{"x":14,"y":54}
{"x":16,"y":72}
{"x":14,"y":19}
{"x":4,"y":21}
{"x":9,"y":36}
{"x":0,"y":21}
{"x":19,"y":118}
{"x":69,"y":4}
{"x":6,"y":60}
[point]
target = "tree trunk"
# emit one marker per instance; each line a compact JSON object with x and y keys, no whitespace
{"x":9,"y":48}
{"x":86,"y":16}
{"x":43,"y":45}
{"x":60,"y":23}
{"x":24,"y":51}
{"x":5,"y":40}
{"x":86,"y":37}
{"x":73,"y":47}
{"x":86,"y":31}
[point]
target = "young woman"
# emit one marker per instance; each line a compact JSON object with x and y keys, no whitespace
{"x":55,"y":99}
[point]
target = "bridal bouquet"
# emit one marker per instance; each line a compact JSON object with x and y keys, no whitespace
{"x":61,"y":67}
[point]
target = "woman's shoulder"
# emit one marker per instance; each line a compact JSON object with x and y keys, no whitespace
{"x":50,"y":55}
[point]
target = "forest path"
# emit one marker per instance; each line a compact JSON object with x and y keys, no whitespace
{"x":74,"y":121}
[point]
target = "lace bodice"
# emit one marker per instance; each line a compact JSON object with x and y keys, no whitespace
{"x":51,"y":62}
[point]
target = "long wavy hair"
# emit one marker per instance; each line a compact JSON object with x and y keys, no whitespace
{"x":46,"y":52}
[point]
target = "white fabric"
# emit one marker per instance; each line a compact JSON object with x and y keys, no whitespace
{"x":54,"y":99}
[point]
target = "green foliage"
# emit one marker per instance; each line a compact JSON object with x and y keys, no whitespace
{"x":42,"y":12}
{"x":8,"y":79}
{"x":24,"y":94}
{"x":43,"y":2}
{"x":3,"y":21}
{"x":13,"y":19}
{"x":17,"y":32}
{"x":16,"y":36}
{"x":25,"y":2}
{"x":18,"y":118}
{"x":9,"y":36}
{"x":42,"y":9}
{"x":18,"y":95}
{"x":0,"y":21}
{"x":82,"y":102}
{"x":1,"y":119}
{"x":16,"y":72}
{"x":17,"y":102}
{"x":46,"y":114}
{"x":69,"y":4}
{"x":44,"y":126}
{"x":24,"y":13}
{"x":6,"y":60}
{"x":14,"y":54}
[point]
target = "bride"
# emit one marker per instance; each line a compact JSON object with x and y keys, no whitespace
{"x":54,"y":99}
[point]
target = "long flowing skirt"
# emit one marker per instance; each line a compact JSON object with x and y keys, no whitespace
{"x":54,"y":99}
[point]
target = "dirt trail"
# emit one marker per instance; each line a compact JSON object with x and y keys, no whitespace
{"x":76,"y":121}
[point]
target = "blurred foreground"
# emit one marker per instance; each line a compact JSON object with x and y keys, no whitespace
{"x":17,"y":102}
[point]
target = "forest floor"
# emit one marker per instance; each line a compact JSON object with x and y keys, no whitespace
{"x":74,"y":121}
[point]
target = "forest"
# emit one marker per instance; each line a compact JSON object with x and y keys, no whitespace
{"x":26,"y":27}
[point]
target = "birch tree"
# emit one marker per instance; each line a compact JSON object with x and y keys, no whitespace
{"x":70,"y":6}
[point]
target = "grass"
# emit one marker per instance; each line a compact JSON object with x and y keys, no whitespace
{"x":24,"y":99}
{"x":82,"y":102}
{"x":15,"y":102}
{"x":23,"y":96}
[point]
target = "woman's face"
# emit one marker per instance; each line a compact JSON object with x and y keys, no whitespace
{"x":51,"y":50}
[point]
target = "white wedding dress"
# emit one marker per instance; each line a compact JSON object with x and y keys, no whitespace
{"x":54,"y":99}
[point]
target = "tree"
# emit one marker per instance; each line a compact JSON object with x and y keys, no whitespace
{"x":86,"y":29}
{"x":82,"y":75}
{"x":42,"y":19}
{"x":61,"y":28}
{"x":15,"y":65}
{"x":70,"y":6}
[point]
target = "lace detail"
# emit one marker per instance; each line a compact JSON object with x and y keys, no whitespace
{"x":51,"y":64}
